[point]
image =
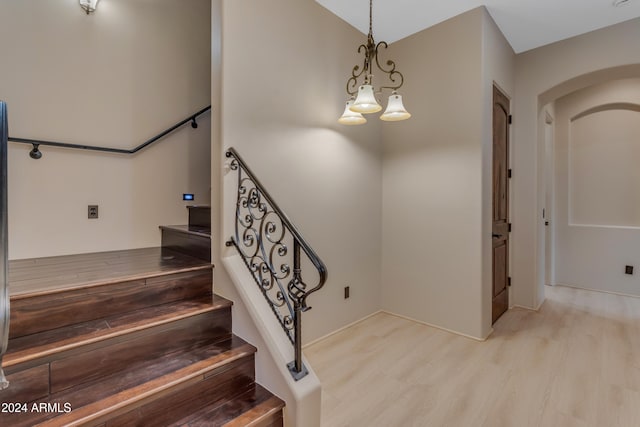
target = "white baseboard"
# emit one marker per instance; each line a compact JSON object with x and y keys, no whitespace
{"x":439,"y":327}
{"x":324,"y":337}
{"x":401,"y":317}
{"x":597,"y":290}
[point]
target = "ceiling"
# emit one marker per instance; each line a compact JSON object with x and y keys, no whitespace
{"x":526,"y":24}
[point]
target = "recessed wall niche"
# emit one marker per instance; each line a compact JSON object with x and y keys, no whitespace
{"x":604,"y":166}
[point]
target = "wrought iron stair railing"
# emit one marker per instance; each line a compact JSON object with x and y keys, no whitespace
{"x":271,"y":248}
{"x":4,"y":244}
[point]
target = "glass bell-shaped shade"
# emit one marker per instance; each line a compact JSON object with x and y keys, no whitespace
{"x":351,"y":117}
{"x":89,"y":6}
{"x":395,"y":109}
{"x":366,"y":101}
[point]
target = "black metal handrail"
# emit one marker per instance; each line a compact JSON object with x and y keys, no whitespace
{"x":263,"y":235}
{"x":4,"y":242}
{"x":35,"y":153}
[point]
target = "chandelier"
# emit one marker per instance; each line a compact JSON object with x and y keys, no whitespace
{"x":365,"y":102}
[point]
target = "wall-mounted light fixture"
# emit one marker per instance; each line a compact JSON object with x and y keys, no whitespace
{"x":89,"y":6}
{"x":35,"y":152}
{"x":365,"y":102}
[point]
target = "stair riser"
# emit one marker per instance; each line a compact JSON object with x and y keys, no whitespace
{"x":275,"y":421}
{"x":189,"y":244}
{"x":200,"y":216}
{"x":47,"y":312}
{"x":26,"y":386}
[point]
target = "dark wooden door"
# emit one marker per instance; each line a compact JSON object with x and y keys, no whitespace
{"x":500,"y":238}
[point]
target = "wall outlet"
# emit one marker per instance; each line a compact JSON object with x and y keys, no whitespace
{"x":346,"y":292}
{"x":92,"y":211}
{"x":628,"y":269}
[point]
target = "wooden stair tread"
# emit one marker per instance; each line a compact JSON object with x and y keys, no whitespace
{"x":46,"y":343}
{"x":254,"y":407}
{"x":138,"y":385}
{"x":195,"y":230}
{"x":40,"y":276}
{"x":262,"y":407}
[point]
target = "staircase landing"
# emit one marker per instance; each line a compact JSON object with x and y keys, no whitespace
{"x":42,"y":275}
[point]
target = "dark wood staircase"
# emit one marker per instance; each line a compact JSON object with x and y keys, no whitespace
{"x":127,"y":338}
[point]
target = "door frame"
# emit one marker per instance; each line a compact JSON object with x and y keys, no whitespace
{"x":509,"y":190}
{"x":549,"y":205}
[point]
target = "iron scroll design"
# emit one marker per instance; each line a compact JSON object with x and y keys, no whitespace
{"x":271,"y":248}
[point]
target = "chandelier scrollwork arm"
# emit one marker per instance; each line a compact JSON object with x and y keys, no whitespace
{"x":372,"y":55}
{"x":363,"y":96}
{"x":358,"y":71}
{"x":390,"y":70}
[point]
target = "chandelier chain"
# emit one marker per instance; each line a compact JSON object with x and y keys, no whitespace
{"x":370,"y":16}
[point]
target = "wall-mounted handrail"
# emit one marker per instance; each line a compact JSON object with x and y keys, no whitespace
{"x":263,"y":236}
{"x":36,"y":142}
{"x":4,"y":242}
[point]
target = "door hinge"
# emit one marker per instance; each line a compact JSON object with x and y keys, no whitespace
{"x":510,"y":119}
{"x":509,"y":173}
{"x":509,"y":281}
{"x":509,"y":229}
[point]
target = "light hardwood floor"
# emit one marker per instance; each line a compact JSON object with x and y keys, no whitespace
{"x":576,"y":362}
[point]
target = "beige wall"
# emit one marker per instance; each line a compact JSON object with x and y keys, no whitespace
{"x":543,"y":75}
{"x":114,"y":78}
{"x":436,"y":228}
{"x":597,"y":188}
{"x":282,"y":92}
{"x":267,"y":371}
